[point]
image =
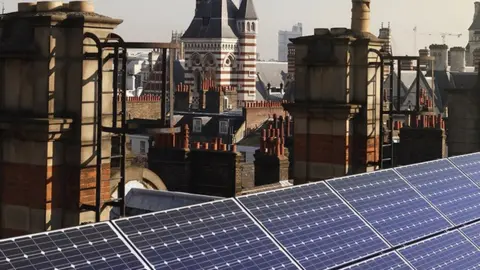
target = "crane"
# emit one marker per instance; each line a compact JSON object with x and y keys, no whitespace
{"x":444,"y":36}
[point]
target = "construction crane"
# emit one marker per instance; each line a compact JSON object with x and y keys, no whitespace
{"x":443,"y":35}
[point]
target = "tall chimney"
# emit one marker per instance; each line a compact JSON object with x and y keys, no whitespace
{"x":361,"y":16}
{"x":440,"y":52}
{"x":458,"y":59}
{"x":477,"y":9}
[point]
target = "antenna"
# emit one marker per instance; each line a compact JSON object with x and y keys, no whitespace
{"x":3,"y":7}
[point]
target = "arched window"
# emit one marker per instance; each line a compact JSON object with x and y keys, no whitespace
{"x":195,"y":59}
{"x":209,"y":60}
{"x":248,"y":27}
{"x":253,"y":27}
{"x":243,"y":26}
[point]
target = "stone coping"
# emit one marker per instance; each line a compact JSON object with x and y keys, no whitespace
{"x":35,"y":129}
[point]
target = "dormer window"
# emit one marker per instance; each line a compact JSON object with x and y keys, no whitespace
{"x":223,"y":127}
{"x":197,"y":125}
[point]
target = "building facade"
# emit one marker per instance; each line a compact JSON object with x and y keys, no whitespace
{"x":474,"y":36}
{"x":284,"y":39}
{"x":221,"y":48}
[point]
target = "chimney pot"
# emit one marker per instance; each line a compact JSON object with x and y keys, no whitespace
{"x":27,"y":7}
{"x":361,"y":16}
{"x":44,"y":6}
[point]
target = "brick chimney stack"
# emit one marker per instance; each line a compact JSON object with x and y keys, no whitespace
{"x":48,"y":169}
{"x":361,"y":16}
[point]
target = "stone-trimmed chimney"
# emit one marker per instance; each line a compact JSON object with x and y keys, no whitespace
{"x":440,"y":52}
{"x":477,"y":9}
{"x":361,"y":15}
{"x":458,"y":59}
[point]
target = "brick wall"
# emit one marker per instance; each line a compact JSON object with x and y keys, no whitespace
{"x":420,"y":145}
{"x":216,"y":173}
{"x":255,"y":113}
{"x":144,"y":107}
{"x":247,"y":175}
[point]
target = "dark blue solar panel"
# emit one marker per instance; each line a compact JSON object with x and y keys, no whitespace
{"x":315,"y":226}
{"x":89,"y":247}
{"x":473,"y":233}
{"x":447,"y":188}
{"x":388,"y":261}
{"x":447,"y":251}
{"x":390,"y":205}
{"x":470,"y":165}
{"x":217,"y":235}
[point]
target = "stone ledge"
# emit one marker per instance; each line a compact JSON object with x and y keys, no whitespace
{"x":35,"y":129}
{"x":322,"y":109}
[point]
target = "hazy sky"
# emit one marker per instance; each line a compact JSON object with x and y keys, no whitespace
{"x":154,"y":20}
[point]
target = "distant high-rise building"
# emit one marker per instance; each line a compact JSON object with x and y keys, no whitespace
{"x":284,"y":39}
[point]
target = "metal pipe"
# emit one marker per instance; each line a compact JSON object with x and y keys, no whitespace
{"x":115,"y":86}
{"x":399,"y":85}
{"x":172,"y":88}
{"x":164,"y":88}
{"x":417,"y":101}
{"x":390,"y":113}
{"x":123,"y":113}
{"x":99,"y":115}
{"x":123,"y":137}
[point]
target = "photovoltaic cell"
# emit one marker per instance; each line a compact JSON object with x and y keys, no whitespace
{"x":473,"y":233}
{"x":447,"y":188}
{"x":388,"y":261}
{"x":390,"y":205}
{"x":89,"y":247}
{"x":470,"y":165}
{"x":447,"y":251}
{"x":314,"y":225}
{"x":217,"y":235}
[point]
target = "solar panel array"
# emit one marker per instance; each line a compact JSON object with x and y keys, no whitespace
{"x":423,"y":216}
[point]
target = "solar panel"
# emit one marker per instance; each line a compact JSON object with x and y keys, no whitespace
{"x":470,"y":165}
{"x":216,"y":235}
{"x":89,"y":247}
{"x":473,"y":233}
{"x":447,"y":251}
{"x":388,"y":261}
{"x":447,"y":188}
{"x":390,"y":205}
{"x":314,"y":225}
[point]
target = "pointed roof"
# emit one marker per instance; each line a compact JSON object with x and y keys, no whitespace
{"x":476,"y":24}
{"x":247,"y":11}
{"x":214,"y":19}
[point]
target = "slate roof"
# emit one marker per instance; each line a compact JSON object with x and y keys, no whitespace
{"x":476,"y":24}
{"x":267,"y":72}
{"x":247,"y":10}
{"x":214,"y":19}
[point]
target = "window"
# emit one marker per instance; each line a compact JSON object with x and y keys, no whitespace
{"x":223,"y":127}
{"x":143,"y":146}
{"x":197,"y":125}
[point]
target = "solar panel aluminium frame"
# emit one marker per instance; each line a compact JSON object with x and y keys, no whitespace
{"x":258,"y":224}
{"x":407,"y":263}
{"x":388,"y":248}
{"x":445,"y":234}
{"x":427,"y":199}
{"x":452,"y":161}
{"x":132,"y":250}
{"x":400,"y":178}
